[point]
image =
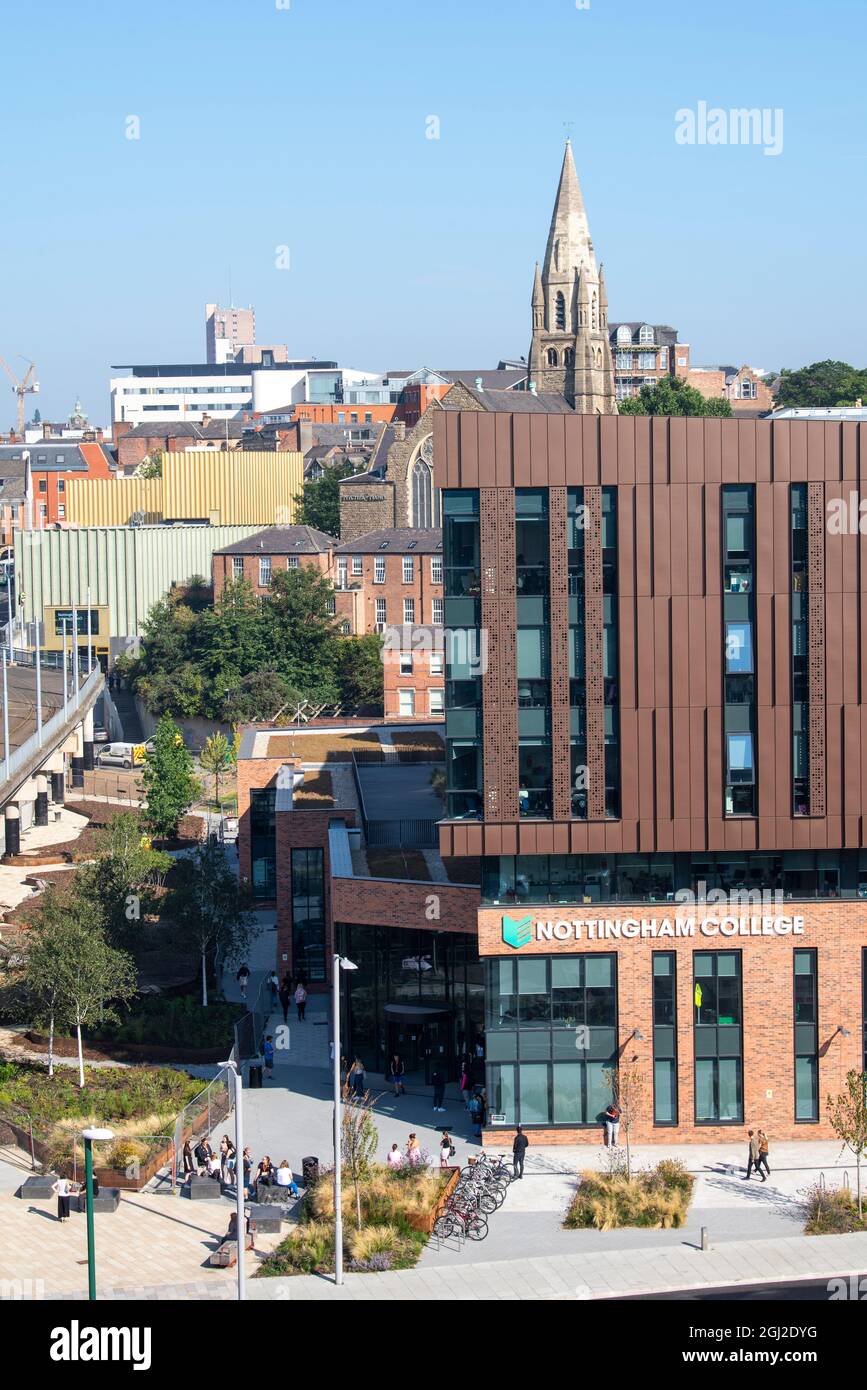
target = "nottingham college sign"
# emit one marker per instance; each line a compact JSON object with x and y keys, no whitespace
{"x":518,"y":932}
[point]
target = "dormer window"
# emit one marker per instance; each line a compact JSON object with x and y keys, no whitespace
{"x":624,"y":334}
{"x":646,"y":334}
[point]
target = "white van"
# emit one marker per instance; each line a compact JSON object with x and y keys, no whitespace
{"x":118,"y":755}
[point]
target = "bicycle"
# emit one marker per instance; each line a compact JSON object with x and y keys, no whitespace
{"x":460,"y":1220}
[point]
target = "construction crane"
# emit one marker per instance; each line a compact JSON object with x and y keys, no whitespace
{"x":22,"y":387}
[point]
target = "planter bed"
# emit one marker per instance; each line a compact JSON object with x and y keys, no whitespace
{"x":103,"y":1050}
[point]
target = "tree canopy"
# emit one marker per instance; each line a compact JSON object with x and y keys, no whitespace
{"x":169,"y":785}
{"x":319,"y":503}
{"x":825,"y":383}
{"x":672,"y":396}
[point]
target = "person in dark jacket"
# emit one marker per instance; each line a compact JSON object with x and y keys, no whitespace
{"x":519,"y":1148}
{"x":397,"y":1071}
{"x":285,"y":997}
{"x":438,"y":1082}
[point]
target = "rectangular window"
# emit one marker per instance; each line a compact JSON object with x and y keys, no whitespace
{"x":408,"y":569}
{"x":436,"y":569}
{"x":437,"y":610}
{"x":409,"y":610}
{"x":437,"y":663}
{"x":406,"y":663}
{"x":435,"y":701}
{"x":264,"y":571}
{"x":806,"y":1036}
{"x":358,"y":564}
{"x":341,"y":574}
{"x":739,"y":648}
{"x":61,"y":484}
{"x":664,"y":1038}
{"x":379,"y":569}
{"x":263,"y":842}
{"x":61,"y":510}
{"x":406,"y":702}
{"x":292,"y":562}
{"x":308,"y":913}
{"x":43,"y":485}
{"x":718,"y":1037}
{"x":380,"y":610}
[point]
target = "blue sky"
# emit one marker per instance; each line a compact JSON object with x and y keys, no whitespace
{"x":305,"y":127}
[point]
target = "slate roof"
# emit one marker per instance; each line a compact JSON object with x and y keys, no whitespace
{"x":282,"y":540}
{"x":515,"y":402}
{"x":396,"y":540}
{"x":44,"y":456}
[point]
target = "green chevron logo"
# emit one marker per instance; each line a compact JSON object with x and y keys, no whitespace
{"x":517,"y":932}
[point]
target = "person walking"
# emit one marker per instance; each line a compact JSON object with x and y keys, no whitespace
{"x":476,"y":1110}
{"x":64,"y":1188}
{"x":243,"y":977}
{"x":520,"y":1145}
{"x":753,"y":1159}
{"x":300,"y":1001}
{"x":466,"y":1083}
{"x":246,"y":1170}
{"x":612,"y":1126}
{"x":268,"y":1057}
{"x":274,"y":986}
{"x":284,"y":994}
{"x":764,"y":1146}
{"x":359,"y":1079}
{"x":396,"y":1072}
{"x":438,"y":1081}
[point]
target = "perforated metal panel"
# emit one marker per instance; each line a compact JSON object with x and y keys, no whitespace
{"x":594,"y":654}
{"x":558,"y":555}
{"x":816,"y":643}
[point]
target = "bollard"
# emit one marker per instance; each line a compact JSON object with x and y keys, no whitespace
{"x":705,"y":1238}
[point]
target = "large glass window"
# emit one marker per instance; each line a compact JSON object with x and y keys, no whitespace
{"x":718,"y":1037}
{"x":739,"y":681}
{"x":806,"y":1036}
{"x":551,"y":1036}
{"x":263,"y":842}
{"x":308,"y":913}
{"x":664,"y":1037}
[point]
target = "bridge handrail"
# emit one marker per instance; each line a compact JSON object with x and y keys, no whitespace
{"x":58,"y":721}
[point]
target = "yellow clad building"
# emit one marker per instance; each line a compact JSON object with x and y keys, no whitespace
{"x":236,"y":488}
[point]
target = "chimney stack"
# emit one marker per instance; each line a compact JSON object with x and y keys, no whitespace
{"x":399,"y":429}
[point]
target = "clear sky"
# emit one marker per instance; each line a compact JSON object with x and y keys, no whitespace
{"x":305,"y":127}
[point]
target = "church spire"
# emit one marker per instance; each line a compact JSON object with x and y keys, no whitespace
{"x":569,"y":351}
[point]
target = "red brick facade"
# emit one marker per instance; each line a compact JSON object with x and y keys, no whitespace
{"x":837,"y":930}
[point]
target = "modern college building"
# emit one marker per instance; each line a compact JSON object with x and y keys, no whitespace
{"x":656,"y":726}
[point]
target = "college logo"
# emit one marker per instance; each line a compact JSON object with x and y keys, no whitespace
{"x":517,"y":932}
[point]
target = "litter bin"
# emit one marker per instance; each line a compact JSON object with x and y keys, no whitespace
{"x":309,"y":1171}
{"x":255,"y":1081}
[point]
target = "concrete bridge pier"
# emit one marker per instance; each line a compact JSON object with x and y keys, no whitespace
{"x":41,"y":799}
{"x":89,"y":754}
{"x":12,"y":826}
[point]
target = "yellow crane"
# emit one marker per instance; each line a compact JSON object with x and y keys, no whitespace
{"x":22,"y":387}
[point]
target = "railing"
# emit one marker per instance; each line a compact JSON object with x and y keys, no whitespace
{"x":395,"y":753}
{"x":250,"y":1028}
{"x":407,"y":834}
{"x":360,"y":794}
{"x":52,"y":726}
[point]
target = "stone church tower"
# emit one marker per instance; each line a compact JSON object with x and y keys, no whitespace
{"x":570,"y":352}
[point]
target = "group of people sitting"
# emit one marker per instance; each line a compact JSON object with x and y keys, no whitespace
{"x":222,"y":1164}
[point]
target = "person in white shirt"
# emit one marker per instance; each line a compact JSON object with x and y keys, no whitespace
{"x":64,"y":1188}
{"x":284,"y":1178}
{"x":446,"y":1148}
{"x":395,"y":1157}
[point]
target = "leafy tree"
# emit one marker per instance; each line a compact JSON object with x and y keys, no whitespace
{"x":360,"y":672}
{"x":43,"y":1000}
{"x":319,"y":503}
{"x":358,"y":1141}
{"x":673,"y":396}
{"x":123,"y":875}
{"x":90,"y":975}
{"x":258,"y":696}
{"x":847,"y":1113}
{"x":212,"y":908}
{"x":169,"y":784}
{"x":303,"y":632}
{"x":151,"y":465}
{"x":822,"y":384}
{"x":217,"y":757}
{"x":178,"y":692}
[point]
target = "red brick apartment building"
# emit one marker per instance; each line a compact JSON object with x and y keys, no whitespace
{"x":52,"y":464}
{"x":388,"y":582}
{"x":304,"y":850}
{"x":661,"y":761}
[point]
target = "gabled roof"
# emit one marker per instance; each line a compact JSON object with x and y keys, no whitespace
{"x":282,"y":540}
{"x":395,"y":540}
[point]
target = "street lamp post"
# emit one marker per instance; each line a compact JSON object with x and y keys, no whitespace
{"x":338,"y":963}
{"x":89,"y":1135}
{"x":241,"y":1232}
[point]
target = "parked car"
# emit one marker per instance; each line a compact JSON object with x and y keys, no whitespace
{"x":100,"y":735}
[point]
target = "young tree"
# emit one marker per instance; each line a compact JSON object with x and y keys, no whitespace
{"x":303,"y":633}
{"x":43,"y":999}
{"x":358,"y":1141}
{"x":123,"y":875}
{"x":170,"y":787}
{"x":217,"y":757}
{"x":628,"y":1084}
{"x":847,"y":1113}
{"x":211,"y":907}
{"x":91,"y":976}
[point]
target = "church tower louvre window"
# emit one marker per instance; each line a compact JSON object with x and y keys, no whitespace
{"x":569,"y":352}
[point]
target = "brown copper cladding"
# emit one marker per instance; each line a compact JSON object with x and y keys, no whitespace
{"x":668,"y":475}
{"x":595,"y":683}
{"x":559,"y":608}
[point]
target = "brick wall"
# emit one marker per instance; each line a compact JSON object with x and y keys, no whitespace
{"x":395,"y":903}
{"x":223,"y":568}
{"x":837,"y":930}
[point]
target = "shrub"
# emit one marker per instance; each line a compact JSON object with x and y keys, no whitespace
{"x":308,"y":1250}
{"x":657,"y":1199}
{"x":372,"y":1240}
{"x":181,"y":1022}
{"x":831,"y":1212}
{"x":124,"y":1152}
